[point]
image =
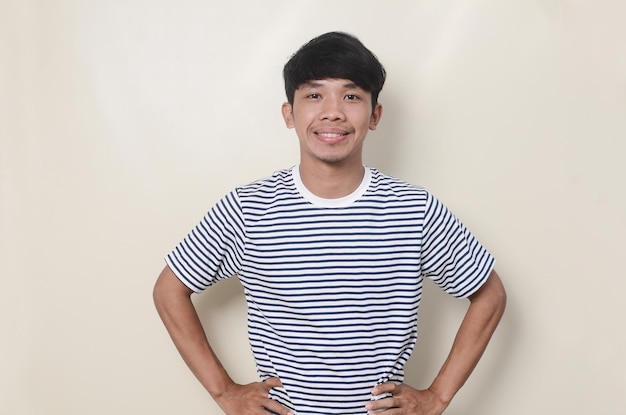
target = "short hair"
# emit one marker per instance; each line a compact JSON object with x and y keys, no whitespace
{"x":334,"y":55}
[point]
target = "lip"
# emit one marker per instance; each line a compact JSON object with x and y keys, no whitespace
{"x":331,"y":135}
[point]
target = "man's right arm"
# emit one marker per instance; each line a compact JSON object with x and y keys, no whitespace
{"x":173,"y":303}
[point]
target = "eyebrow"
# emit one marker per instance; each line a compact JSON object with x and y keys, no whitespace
{"x":316,"y":84}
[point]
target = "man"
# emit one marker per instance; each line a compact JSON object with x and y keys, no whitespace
{"x":331,"y":255}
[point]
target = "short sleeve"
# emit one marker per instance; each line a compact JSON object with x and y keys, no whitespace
{"x":451,"y":256}
{"x":212,"y":251}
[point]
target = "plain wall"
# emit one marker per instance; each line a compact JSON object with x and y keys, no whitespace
{"x":122,"y":122}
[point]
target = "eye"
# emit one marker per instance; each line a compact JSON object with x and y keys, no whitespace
{"x":352,"y":97}
{"x":314,"y":95}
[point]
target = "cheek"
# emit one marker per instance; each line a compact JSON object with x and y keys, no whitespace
{"x":302,"y":119}
{"x":360,"y":115}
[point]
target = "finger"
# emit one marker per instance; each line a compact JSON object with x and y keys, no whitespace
{"x":276,"y":408}
{"x":386,"y":403}
{"x":273,"y":383}
{"x":387,"y":387}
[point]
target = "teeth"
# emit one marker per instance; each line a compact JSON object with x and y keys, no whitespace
{"x":329,"y":135}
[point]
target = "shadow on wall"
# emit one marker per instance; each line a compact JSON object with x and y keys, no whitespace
{"x":222,"y":296}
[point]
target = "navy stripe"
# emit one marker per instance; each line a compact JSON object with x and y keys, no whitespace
{"x":333,"y":292}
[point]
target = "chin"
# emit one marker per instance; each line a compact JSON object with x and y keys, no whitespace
{"x":333,"y":159}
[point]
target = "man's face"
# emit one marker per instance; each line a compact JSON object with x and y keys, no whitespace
{"x":331,"y":118}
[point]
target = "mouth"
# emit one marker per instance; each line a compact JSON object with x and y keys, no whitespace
{"x":331,"y":136}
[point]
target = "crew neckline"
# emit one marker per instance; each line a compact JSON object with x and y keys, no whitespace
{"x":336,"y":202}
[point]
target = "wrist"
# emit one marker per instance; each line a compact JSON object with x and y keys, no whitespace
{"x":440,"y":395}
{"x":218,"y":384}
{"x":219,"y":391}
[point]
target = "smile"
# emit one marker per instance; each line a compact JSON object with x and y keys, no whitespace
{"x":331,"y":135}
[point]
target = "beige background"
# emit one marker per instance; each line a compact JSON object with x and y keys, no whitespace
{"x":121,"y":122}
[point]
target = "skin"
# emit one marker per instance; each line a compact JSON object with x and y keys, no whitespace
{"x":331,"y":118}
{"x":173,"y":302}
{"x":483,"y":315}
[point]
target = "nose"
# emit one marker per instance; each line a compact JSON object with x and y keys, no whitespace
{"x":332,"y":109}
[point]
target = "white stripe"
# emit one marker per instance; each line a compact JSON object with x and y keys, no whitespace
{"x":333,"y":289}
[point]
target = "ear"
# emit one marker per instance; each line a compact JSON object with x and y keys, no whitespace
{"x":375,"y":118}
{"x":287,"y":111}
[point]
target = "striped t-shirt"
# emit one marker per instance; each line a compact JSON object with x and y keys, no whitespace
{"x":332,"y":285}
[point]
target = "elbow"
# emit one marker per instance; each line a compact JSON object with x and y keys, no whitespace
{"x":492,"y":295}
{"x":501,"y":301}
{"x":497,"y":295}
{"x":168,"y":290}
{"x":159,"y":297}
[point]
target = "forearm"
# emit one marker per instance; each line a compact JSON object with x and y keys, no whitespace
{"x":482,"y":317}
{"x":179,"y":316}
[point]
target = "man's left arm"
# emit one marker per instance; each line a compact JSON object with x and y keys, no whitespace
{"x":482,"y":317}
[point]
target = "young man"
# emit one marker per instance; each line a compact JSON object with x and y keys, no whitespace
{"x":331,"y":255}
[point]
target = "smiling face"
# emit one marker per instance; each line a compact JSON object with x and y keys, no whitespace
{"x":331,"y":118}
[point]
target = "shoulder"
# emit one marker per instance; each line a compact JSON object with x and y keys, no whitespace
{"x":383,"y":185}
{"x":269,"y":189}
{"x":277,"y":179}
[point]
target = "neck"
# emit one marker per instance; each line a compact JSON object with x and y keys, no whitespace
{"x":331,"y":181}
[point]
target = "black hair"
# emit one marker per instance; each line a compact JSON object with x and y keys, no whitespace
{"x":334,"y":55}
